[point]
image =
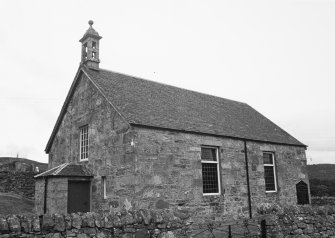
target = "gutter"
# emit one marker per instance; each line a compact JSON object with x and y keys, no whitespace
{"x":247,"y":173}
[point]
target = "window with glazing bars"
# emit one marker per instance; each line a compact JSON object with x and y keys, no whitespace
{"x":269,"y":172}
{"x":83,"y":142}
{"x":210,"y":171}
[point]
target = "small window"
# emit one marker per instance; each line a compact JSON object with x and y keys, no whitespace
{"x":83,"y":143}
{"x":94,"y":45}
{"x":269,"y":172}
{"x":93,"y":55}
{"x":104,"y":189}
{"x":210,"y":171}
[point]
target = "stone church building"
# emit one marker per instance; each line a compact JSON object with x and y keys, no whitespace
{"x":125,"y":142}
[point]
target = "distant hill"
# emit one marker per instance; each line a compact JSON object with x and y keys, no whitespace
{"x":9,"y":160}
{"x":322,"y":179}
{"x":321,"y":171}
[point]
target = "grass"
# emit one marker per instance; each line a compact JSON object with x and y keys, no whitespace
{"x":15,"y":204}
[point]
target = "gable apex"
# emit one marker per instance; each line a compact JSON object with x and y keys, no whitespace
{"x":81,"y":71}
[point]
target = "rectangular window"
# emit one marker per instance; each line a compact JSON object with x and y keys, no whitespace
{"x":83,"y":143}
{"x":104,"y":189}
{"x":210,"y":171}
{"x":269,"y":172}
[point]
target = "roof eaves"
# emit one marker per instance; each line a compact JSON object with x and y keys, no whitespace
{"x":219,"y":135}
{"x":48,"y":171}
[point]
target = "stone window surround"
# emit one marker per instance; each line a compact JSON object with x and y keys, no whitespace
{"x":81,"y":131}
{"x":274,"y":171}
{"x":217,"y":162}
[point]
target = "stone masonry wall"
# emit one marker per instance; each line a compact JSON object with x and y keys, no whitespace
{"x":322,"y":201}
{"x":22,"y":183}
{"x":301,"y":221}
{"x":140,"y":224}
{"x":126,"y":224}
{"x":150,"y":168}
{"x":288,"y":222}
{"x":39,"y":196}
{"x":110,"y":152}
{"x":57,"y":195}
{"x":168,"y":173}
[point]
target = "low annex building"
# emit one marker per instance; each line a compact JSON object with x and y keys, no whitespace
{"x":125,"y":142}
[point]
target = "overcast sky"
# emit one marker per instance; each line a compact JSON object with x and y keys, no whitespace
{"x":277,"y":56}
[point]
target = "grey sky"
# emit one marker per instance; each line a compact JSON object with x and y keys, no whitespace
{"x":277,"y":56}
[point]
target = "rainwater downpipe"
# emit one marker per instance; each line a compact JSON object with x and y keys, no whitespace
{"x":45,"y":194}
{"x":247,"y":173}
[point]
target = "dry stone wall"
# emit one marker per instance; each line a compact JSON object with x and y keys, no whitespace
{"x":301,"y":221}
{"x":21,"y":183}
{"x":322,"y":201}
{"x":138,"y":224}
{"x":282,"y":222}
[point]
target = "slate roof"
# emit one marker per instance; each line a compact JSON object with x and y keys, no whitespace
{"x":148,"y":103}
{"x":66,"y":170}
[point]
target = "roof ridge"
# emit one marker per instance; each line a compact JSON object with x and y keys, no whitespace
{"x":169,"y":85}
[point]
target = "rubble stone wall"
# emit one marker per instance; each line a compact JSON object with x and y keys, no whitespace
{"x":21,"y":183}
{"x":168,"y":172}
{"x":110,"y":151}
{"x":321,"y":201}
{"x":288,"y":222}
{"x":155,"y":168}
{"x":302,"y":221}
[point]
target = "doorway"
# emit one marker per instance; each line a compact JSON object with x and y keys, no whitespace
{"x":78,"y":196}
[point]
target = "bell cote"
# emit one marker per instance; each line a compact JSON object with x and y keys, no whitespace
{"x":90,"y":48}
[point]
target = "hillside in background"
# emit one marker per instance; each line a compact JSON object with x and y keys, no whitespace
{"x":15,"y":204}
{"x":322,"y":179}
{"x":4,"y":161}
{"x":17,"y":184}
{"x":321,"y":171}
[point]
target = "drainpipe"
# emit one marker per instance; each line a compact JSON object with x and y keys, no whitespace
{"x":247,"y":173}
{"x":45,"y":194}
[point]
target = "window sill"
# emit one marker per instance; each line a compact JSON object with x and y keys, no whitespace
{"x":271,"y":191}
{"x":83,"y":160}
{"x":211,"y":194}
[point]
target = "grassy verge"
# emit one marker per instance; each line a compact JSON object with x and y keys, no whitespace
{"x":14,"y":204}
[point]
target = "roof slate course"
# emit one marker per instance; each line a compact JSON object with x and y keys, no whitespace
{"x":148,"y":103}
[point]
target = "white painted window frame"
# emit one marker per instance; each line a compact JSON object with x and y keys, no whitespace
{"x":217,"y":167}
{"x":274,"y":171}
{"x":81,"y":146}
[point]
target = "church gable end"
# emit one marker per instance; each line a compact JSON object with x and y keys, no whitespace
{"x":87,"y":108}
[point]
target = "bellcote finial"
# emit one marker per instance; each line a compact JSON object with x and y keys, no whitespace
{"x":90,"y":47}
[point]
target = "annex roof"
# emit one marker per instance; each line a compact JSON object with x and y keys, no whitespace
{"x":66,"y":170}
{"x":147,"y":103}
